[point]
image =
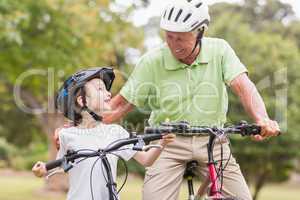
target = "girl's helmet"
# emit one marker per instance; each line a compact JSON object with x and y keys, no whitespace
{"x":65,"y":100}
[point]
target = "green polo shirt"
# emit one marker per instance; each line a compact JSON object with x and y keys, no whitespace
{"x":175,"y":91}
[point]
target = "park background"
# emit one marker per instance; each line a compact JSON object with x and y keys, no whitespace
{"x":42,"y":42}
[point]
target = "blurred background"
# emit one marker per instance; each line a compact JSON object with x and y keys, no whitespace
{"x":42,"y":42}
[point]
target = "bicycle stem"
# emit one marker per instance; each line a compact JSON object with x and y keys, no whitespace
{"x":111,"y":185}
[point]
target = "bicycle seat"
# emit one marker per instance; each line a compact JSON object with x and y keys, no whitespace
{"x":190,"y":168}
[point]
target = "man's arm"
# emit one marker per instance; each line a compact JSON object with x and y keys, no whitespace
{"x":120,"y":107}
{"x":253,"y":104}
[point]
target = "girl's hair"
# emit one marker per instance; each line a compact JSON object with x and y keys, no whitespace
{"x":77,"y":108}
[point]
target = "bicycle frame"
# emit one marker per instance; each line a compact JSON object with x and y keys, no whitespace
{"x":211,"y":182}
{"x":214,"y":191}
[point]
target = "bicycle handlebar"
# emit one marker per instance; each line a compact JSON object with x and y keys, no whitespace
{"x":71,"y":156}
{"x":53,"y":164}
{"x":183,"y":128}
{"x":155,"y":133}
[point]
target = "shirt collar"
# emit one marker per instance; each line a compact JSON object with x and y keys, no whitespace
{"x":171,"y":63}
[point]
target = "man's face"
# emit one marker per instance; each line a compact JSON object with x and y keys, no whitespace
{"x":180,"y":44}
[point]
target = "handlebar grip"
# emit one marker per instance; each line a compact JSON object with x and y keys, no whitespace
{"x":158,"y":130}
{"x":152,"y":137}
{"x":250,"y":130}
{"x":53,"y":164}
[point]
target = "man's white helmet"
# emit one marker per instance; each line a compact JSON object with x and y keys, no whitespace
{"x":185,"y":16}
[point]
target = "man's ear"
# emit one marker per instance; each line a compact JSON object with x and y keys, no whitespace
{"x":79,"y":100}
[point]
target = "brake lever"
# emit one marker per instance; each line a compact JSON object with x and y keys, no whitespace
{"x":66,"y":166}
{"x":181,"y":126}
{"x":150,"y":146}
{"x":139,"y":145}
{"x":52,"y":173}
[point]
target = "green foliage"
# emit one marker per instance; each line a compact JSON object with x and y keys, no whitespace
{"x":270,"y":50}
{"x":7,"y":151}
{"x":21,"y":158}
{"x":136,"y":120}
{"x":58,"y":38}
{"x":132,"y":166}
{"x":24,"y":159}
{"x":22,"y":133}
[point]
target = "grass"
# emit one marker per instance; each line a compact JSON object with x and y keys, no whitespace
{"x":17,"y":188}
{"x":20,"y":187}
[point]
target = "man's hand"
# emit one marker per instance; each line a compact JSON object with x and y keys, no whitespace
{"x":120,"y":107}
{"x":56,"y":134}
{"x":269,"y":128}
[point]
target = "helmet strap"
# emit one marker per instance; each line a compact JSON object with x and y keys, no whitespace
{"x":85,"y":108}
{"x":198,"y":41}
{"x":92,"y":113}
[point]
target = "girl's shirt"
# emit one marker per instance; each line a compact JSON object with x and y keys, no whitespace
{"x":101,"y":136}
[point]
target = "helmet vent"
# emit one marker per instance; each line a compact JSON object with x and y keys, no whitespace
{"x":170,"y":14}
{"x":178,"y":15}
{"x":187,"y":17}
{"x":198,"y":5}
{"x":194,"y":24}
{"x":165,"y":13}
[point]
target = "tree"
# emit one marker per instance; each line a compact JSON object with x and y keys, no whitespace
{"x":54,"y":37}
{"x":272,"y":59}
{"x":43,"y":42}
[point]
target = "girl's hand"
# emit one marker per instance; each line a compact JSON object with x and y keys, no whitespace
{"x":167,"y":139}
{"x":39,"y":169}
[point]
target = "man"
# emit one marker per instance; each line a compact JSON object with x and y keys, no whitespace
{"x":186,"y":80}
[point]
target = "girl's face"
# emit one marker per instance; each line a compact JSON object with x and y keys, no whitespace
{"x":97,"y":97}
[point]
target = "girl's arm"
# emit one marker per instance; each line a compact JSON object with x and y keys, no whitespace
{"x":147,"y":158}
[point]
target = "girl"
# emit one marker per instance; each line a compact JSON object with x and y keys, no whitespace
{"x":82,"y":99}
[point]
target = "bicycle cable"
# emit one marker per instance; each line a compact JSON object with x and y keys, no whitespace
{"x":126,"y":170}
{"x":221,"y":168}
{"x":91,"y":175}
{"x":97,"y":160}
{"x":83,"y":159}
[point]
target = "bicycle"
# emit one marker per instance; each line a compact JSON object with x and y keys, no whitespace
{"x":68,"y":160}
{"x":213,"y":183}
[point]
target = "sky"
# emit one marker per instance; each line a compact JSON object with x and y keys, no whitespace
{"x":141,"y":17}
